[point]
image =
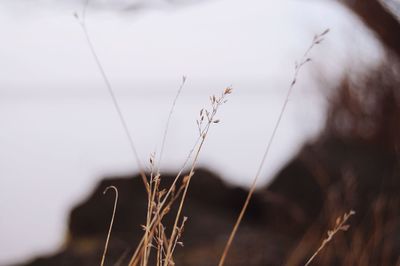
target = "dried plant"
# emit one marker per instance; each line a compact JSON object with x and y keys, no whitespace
{"x":82,"y":22}
{"x":168,"y":122}
{"x":298,"y":66}
{"x":165,"y":198}
{"x":340,"y":225}
{"x":160,"y":200}
{"x":111,"y":222}
{"x":209,"y":117}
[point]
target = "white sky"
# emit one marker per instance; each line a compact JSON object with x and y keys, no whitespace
{"x":60,"y":134}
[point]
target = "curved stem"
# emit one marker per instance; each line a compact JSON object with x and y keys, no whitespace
{"x":111,"y":222}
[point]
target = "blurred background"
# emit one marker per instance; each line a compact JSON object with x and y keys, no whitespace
{"x":60,"y":133}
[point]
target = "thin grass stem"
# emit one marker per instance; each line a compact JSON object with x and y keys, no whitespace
{"x":111,"y":222}
{"x":110,"y":90}
{"x":305,"y":59}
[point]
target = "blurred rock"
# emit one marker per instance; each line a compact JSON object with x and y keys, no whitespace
{"x":211,"y":207}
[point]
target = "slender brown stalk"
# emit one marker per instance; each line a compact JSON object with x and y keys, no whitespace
{"x":298,"y":66}
{"x":339,"y":226}
{"x":156,"y":221}
{"x":111,"y":222}
{"x":168,"y":122}
{"x":155,"y":180}
{"x":160,"y":239}
{"x":161,"y":210}
{"x":153,"y":184}
{"x":210,"y":118}
{"x":82,"y":23}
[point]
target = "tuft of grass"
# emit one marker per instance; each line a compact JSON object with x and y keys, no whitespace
{"x":162,"y":199}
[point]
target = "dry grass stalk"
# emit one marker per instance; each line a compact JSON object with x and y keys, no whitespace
{"x":209,"y":118}
{"x":168,"y":197}
{"x":154,"y":186}
{"x":156,"y":212}
{"x":156,"y":193}
{"x":168,"y":122}
{"x":340,"y":225}
{"x":82,"y":22}
{"x":298,"y":66}
{"x":111,"y":222}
